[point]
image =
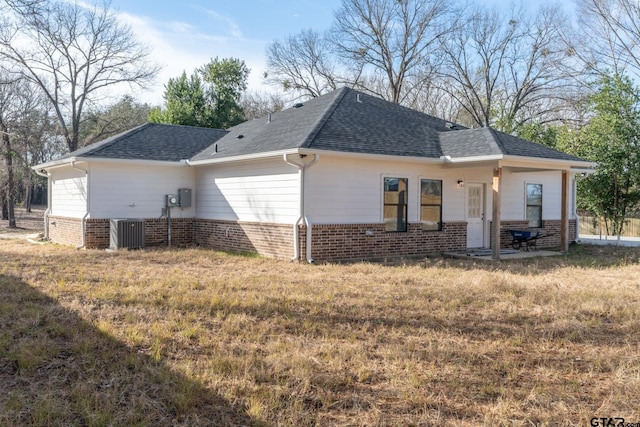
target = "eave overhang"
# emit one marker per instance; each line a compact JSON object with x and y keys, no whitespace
{"x":521,"y":163}
{"x":69,"y":160}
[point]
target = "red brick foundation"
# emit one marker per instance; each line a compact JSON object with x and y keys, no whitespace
{"x":97,"y":233}
{"x":333,"y":242}
{"x":370,"y":241}
{"x":550,"y":232}
{"x":66,"y":231}
{"x":273,"y":240}
{"x":155,"y":232}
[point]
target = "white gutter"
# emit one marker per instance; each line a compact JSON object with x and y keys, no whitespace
{"x":70,"y":160}
{"x":242,"y":157}
{"x":372,"y":156}
{"x":305,"y":220}
{"x":517,"y":161}
{"x":84,"y":218}
{"x":472,"y":159}
{"x":314,"y":152}
{"x":49,"y":191}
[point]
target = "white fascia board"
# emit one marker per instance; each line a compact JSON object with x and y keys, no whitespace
{"x":557,"y":163}
{"x":520,"y":161}
{"x":471,"y":159}
{"x":310,"y":151}
{"x":241,"y":158}
{"x":371,"y":156}
{"x":134,"y":161}
{"x":55,"y":163}
{"x":68,"y":160}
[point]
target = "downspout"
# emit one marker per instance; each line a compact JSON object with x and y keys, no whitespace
{"x":84,"y":218}
{"x":48,"y":211}
{"x":302,"y":217}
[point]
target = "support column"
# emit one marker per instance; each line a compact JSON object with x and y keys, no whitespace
{"x":564,"y":214}
{"x":495,"y":222}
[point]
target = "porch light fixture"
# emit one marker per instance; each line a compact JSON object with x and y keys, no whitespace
{"x":460,"y":183}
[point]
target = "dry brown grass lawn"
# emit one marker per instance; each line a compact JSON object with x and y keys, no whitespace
{"x":195,"y":337}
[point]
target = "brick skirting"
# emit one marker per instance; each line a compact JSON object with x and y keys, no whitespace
{"x":272,"y":240}
{"x":155,"y":232}
{"x":64,"y":230}
{"x":550,"y":232}
{"x":370,"y":241}
{"x":68,"y":231}
{"x":332,"y":242}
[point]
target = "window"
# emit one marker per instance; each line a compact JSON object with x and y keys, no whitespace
{"x":534,"y":205}
{"x":431,"y":204}
{"x":395,"y":204}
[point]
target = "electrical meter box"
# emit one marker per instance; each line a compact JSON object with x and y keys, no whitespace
{"x":172,"y":201}
{"x":184,"y":197}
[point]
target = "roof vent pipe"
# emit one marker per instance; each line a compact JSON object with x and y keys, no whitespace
{"x":269,"y":118}
{"x":358,"y":98}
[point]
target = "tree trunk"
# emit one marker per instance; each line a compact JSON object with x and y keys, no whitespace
{"x":28,"y":194}
{"x":5,"y":209}
{"x":9,"y":195}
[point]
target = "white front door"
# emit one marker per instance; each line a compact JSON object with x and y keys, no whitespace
{"x":475,"y":215}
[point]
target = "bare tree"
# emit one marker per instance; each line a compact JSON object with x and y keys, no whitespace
{"x":393,"y":40}
{"x":537,"y":83}
{"x":431,"y":99}
{"x":106,"y":121}
{"x":35,"y":141}
{"x":74,"y":53}
{"x":608,"y":35}
{"x":256,"y":105}
{"x":8,"y":98}
{"x":504,"y":69}
{"x":476,"y":54}
{"x":16,"y":102}
{"x":304,"y":65}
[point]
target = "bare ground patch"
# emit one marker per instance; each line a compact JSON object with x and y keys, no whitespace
{"x":26,"y":222}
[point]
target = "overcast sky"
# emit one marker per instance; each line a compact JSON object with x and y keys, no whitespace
{"x":187,"y":34}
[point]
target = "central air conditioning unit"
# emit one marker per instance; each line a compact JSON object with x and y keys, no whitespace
{"x":126,"y":233}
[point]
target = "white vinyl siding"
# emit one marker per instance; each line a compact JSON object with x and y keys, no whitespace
{"x":138,"y":191}
{"x":349,"y":191}
{"x":338,"y":190}
{"x":341,"y":190}
{"x":514,"y":198}
{"x":68,"y":193}
{"x":256,"y":191}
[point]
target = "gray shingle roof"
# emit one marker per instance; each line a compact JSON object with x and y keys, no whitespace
{"x":153,"y":141}
{"x":488,"y":142}
{"x":288,"y":129}
{"x":365,"y":124}
{"x":344,"y":120}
